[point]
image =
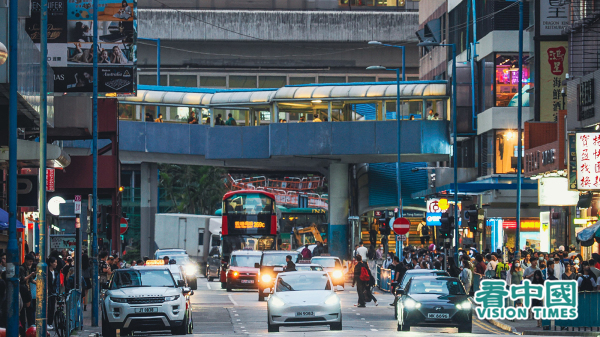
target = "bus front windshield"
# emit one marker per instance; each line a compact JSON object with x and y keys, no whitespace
{"x":249,"y":204}
{"x":248,"y":242}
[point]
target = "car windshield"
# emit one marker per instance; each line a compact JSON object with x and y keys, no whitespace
{"x":436,"y":286}
{"x":295,"y":281}
{"x":327,"y":263}
{"x":177,"y":276}
{"x":181,"y":260}
{"x":275,"y":259}
{"x":244,"y":260}
{"x":142,"y":278}
{"x":408,"y":276}
{"x":300,"y":267}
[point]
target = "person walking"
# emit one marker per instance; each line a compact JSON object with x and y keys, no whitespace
{"x":453,"y":270}
{"x":568,"y":274}
{"x":87,"y":277}
{"x":306,"y":254}
{"x":362,"y":251}
{"x":373,"y":233}
{"x":52,"y":289}
{"x":466,"y":276}
{"x":361,"y":279}
{"x":290,"y":265}
{"x":423,"y":230}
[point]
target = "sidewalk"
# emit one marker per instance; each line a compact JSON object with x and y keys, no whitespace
{"x":529,"y":327}
{"x":87,"y":329}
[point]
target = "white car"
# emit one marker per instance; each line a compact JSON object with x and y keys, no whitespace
{"x":304,"y":298}
{"x":145,"y":299}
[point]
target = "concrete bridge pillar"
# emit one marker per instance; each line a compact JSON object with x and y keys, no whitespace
{"x":338,"y":210}
{"x":148,"y":207}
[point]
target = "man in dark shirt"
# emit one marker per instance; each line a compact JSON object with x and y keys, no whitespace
{"x":400,"y":270}
{"x":480,"y":265}
{"x":360,"y":285}
{"x":291,"y":266}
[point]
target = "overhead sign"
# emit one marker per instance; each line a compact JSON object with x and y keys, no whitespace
{"x":78,"y":204}
{"x":27,"y":190}
{"x":526,"y":225}
{"x":70,"y":35}
{"x":124,"y":225}
{"x":554,"y":16}
{"x":433,"y":219}
{"x":587,"y":146}
{"x":433,"y":206}
{"x":554,"y":66}
{"x":554,"y":191}
{"x":50,"y":180}
{"x":401,"y":226}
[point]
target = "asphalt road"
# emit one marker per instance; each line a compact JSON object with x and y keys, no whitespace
{"x":239,"y":312}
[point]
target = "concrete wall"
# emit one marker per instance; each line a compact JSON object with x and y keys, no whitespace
{"x":322,"y":26}
{"x":573,"y":98}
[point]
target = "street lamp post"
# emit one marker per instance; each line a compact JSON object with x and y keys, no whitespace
{"x":403,"y":55}
{"x":454,"y":136}
{"x":398,"y":117}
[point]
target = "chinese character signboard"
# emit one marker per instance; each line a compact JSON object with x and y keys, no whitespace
{"x":50,"y":182}
{"x":554,"y":16}
{"x":553,"y":69}
{"x":585,"y":100}
{"x":588,"y":160}
{"x":559,"y":300}
{"x":70,"y":35}
{"x":572,"y":161}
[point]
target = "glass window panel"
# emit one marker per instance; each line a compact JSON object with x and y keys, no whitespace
{"x":150,"y":112}
{"x":506,"y":142}
{"x":151,"y":80}
{"x":507,"y":79}
{"x":184,"y":81}
{"x":242,"y":81}
{"x":271,"y":81}
{"x":126,"y":111}
{"x":361,"y":78}
{"x":302,"y":80}
{"x":332,"y":79}
{"x":213,"y":81}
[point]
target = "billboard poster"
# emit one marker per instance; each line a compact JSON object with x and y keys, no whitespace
{"x":554,"y":16}
{"x":588,"y":160}
{"x":70,"y":35}
{"x":554,"y":65}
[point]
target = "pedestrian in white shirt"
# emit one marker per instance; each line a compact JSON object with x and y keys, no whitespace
{"x":362,"y":251}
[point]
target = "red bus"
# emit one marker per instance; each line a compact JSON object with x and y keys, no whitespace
{"x":249,"y":221}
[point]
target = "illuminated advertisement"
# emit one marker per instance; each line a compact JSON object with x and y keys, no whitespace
{"x":249,"y":224}
{"x":507,"y":80}
{"x":70,"y":35}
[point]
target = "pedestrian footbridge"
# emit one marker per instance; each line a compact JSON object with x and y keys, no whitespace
{"x":269,"y":131}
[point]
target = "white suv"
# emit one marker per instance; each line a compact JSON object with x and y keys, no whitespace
{"x":145,"y":299}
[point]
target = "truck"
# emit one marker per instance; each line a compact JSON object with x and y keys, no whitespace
{"x":197,"y":234}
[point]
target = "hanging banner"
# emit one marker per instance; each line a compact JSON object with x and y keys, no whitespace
{"x":588,"y":160}
{"x":70,"y":35}
{"x":572,"y":162}
{"x":554,"y":65}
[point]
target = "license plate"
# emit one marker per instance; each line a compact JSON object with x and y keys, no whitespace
{"x":440,"y":316}
{"x":305,"y":313}
{"x":145,"y":310}
{"x":278,"y":269}
{"x":247,"y":281}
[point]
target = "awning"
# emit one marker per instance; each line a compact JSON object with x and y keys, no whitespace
{"x":174,"y":98}
{"x":28,"y":154}
{"x":587,"y":235}
{"x":386,"y":90}
{"x":4,"y":220}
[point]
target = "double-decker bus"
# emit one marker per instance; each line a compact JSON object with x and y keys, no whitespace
{"x":249,"y":221}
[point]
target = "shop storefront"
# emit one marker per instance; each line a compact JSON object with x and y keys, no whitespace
{"x":504,"y":233}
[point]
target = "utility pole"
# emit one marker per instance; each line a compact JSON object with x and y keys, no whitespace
{"x":95,"y":285}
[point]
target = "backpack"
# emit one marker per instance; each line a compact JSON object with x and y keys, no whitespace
{"x":425,"y":230}
{"x":364,"y":275}
{"x":501,"y":270}
{"x":586,"y":284}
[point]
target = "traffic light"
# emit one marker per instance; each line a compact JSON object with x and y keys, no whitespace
{"x":447,"y":226}
{"x":471,"y":216}
{"x":109,"y":219}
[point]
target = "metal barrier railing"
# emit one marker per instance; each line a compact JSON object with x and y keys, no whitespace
{"x":586,"y":318}
{"x":73,"y":311}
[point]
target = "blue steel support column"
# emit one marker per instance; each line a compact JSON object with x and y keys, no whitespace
{"x":158,"y":72}
{"x":42,"y":268}
{"x":95,"y":285}
{"x":519,"y":121}
{"x":455,"y":153}
{"x":12,"y":256}
{"x":399,"y":244}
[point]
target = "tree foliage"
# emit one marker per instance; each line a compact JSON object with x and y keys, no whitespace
{"x":193,"y":189}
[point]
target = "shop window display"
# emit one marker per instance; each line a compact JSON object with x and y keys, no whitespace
{"x":507,"y":79}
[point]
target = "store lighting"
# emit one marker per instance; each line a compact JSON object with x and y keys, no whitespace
{"x":597,"y":127}
{"x":317,"y":101}
{"x":509,"y":135}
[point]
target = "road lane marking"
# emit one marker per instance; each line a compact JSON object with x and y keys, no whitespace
{"x":208,"y":285}
{"x":232,"y":300}
{"x":374,"y":330}
{"x":236,"y":314}
{"x":357,"y":314}
{"x":484,"y":327}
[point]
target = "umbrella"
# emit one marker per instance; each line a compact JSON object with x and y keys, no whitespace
{"x":587,"y":235}
{"x":4,"y":220}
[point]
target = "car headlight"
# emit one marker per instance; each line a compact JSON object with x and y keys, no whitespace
{"x":266,"y":278}
{"x":276,"y":301}
{"x":337,"y":274}
{"x":332,"y":300}
{"x":118,"y":299}
{"x":464,"y":306}
{"x":171,"y":298}
{"x":411,"y":304}
{"x":191,"y":269}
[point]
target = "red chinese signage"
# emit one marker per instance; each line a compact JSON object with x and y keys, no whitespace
{"x":556,"y":57}
{"x":588,"y":160}
{"x":50,"y":180}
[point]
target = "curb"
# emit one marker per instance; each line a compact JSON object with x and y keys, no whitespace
{"x":504,"y":326}
{"x":560,"y":333}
